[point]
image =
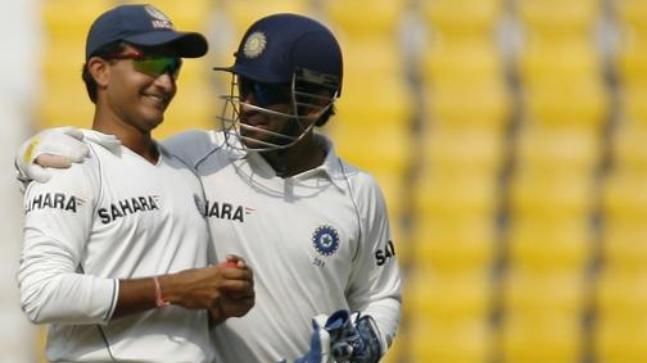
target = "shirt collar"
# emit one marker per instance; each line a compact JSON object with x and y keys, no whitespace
{"x":113,"y":144}
{"x":331,"y":167}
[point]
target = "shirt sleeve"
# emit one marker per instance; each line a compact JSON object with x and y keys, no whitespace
{"x":58,"y":222}
{"x":375,"y":285}
{"x":190,"y":146}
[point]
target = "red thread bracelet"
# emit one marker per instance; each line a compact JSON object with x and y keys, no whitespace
{"x":159,"y":300}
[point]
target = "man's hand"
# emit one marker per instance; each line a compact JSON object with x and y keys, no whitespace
{"x":224,"y":289}
{"x":233,"y":303}
{"x":52,"y":148}
{"x":354,"y":338}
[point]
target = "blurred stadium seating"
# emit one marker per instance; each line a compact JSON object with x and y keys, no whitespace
{"x":509,"y":139}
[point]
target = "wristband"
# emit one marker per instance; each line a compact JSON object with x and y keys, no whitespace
{"x":159,"y":300}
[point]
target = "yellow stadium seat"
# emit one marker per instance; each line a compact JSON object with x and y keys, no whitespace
{"x":633,"y":14}
{"x":625,"y":198}
{"x":62,"y":61}
{"x":458,"y":245}
{"x":387,"y":104}
{"x":631,"y":64}
{"x":368,"y":62}
{"x":556,"y":150}
{"x":531,"y":292}
{"x":622,"y":294}
{"x":541,"y":338}
{"x":194,"y":15}
{"x":462,"y":17}
{"x":549,"y":196}
{"x":547,"y":246}
{"x":628,"y":147}
{"x":461,"y":342}
{"x":358,"y":19}
{"x":623,"y":245}
{"x":568,"y":103}
{"x":478,"y":105}
{"x":65,"y":105}
{"x":462,"y":63}
{"x":469,"y":149}
{"x":378,"y":149}
{"x":558,"y":18}
{"x":243,"y":13}
{"x":71,"y":19}
{"x":621,"y":340}
{"x":459,"y":195}
{"x":550,"y":63}
{"x":448,"y":297}
{"x":397,"y":349}
{"x":633,"y":105}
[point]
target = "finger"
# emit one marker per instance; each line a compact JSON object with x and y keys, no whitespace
{"x":237,"y":260}
{"x":229,"y":273}
{"x":73,"y":131}
{"x":52,"y":161}
{"x":236,"y":286}
{"x":38,"y":174}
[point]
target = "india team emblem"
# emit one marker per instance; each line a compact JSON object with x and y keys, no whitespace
{"x":254,"y":45}
{"x":325,"y":240}
{"x":159,"y":19}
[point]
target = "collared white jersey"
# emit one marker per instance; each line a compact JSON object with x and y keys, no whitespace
{"x":115,"y":216}
{"x":317,"y":242}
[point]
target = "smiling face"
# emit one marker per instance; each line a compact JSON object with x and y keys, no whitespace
{"x":136,"y":85}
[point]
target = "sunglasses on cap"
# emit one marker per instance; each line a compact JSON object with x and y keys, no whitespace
{"x":265,"y":94}
{"x":151,"y":64}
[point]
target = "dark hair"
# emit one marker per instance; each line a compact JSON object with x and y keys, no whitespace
{"x":88,"y":79}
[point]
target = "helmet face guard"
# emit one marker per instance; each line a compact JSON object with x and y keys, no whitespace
{"x":309,"y":96}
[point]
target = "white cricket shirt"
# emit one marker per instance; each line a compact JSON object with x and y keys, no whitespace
{"x":115,"y":216}
{"x":317,"y":242}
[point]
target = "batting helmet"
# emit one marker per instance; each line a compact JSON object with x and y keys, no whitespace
{"x":293,"y":51}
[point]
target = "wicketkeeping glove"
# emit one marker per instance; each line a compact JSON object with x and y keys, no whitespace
{"x":319,"y":344}
{"x":354,"y":338}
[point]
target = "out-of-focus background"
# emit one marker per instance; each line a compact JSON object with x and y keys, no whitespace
{"x":509,"y":136}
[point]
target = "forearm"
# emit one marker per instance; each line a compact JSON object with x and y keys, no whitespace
{"x":66,"y":298}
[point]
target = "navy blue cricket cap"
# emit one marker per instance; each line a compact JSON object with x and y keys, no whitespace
{"x":277,"y":46}
{"x":142,"y":25}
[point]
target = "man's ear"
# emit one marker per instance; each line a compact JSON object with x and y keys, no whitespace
{"x":100,"y":71}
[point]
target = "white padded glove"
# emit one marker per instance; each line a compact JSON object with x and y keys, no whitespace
{"x":56,"y":148}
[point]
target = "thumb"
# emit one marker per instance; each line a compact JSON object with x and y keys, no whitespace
{"x":37,"y":173}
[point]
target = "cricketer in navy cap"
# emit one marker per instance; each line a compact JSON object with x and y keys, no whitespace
{"x":142,"y":25}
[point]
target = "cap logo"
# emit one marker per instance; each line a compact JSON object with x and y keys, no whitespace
{"x":254,"y":45}
{"x":159,"y":19}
